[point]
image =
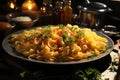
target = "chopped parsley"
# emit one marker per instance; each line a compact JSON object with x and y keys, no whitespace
{"x":80,"y":34}
{"x":53,"y":44}
{"x":48,"y":28}
{"x":113,"y":68}
{"x":66,"y":39}
{"x":72,"y":28}
{"x":47,"y":35}
{"x":80,"y":74}
{"x":106,"y":78}
{"x":64,"y":36}
{"x":61,"y":26}
{"x":91,"y":56}
{"x":22,"y":74}
{"x":88,"y":74}
{"x":108,"y":47}
{"x":60,"y":59}
{"x":71,"y":40}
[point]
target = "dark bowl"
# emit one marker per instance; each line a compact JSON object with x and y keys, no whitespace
{"x":21,"y":19}
{"x":6,"y":28}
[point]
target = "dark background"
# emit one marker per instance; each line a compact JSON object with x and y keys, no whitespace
{"x":113,"y":18}
{"x":75,"y":3}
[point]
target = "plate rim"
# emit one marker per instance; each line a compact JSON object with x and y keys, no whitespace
{"x":12,"y":53}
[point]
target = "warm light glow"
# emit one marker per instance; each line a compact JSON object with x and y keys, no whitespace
{"x":12,"y":5}
{"x":29,"y":5}
{"x":43,"y":9}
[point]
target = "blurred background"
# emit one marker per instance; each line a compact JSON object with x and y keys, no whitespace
{"x":75,"y":3}
{"x":50,"y":17}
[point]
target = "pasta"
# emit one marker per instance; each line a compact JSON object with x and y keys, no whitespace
{"x":59,"y":43}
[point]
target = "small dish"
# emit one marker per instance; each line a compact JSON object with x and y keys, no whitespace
{"x":6,"y":28}
{"x":23,"y":19}
{"x":110,"y":30}
{"x":5,"y":25}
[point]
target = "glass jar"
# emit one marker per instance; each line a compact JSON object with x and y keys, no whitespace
{"x":67,"y":12}
{"x":58,"y":12}
{"x":46,"y":13}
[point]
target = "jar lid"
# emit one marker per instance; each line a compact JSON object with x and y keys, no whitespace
{"x":95,"y":7}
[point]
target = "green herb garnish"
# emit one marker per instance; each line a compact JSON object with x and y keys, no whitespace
{"x":60,"y":59}
{"x":108,"y":47}
{"x":82,"y":34}
{"x":106,"y":78}
{"x":79,"y":34}
{"x":64,"y":36}
{"x":48,"y":28}
{"x":88,"y":74}
{"x":68,"y":40}
{"x":112,"y":68}
{"x":53,"y":44}
{"x":80,"y":74}
{"x":91,"y":56}
{"x":61,"y":26}
{"x":71,"y":40}
{"x":72,"y":28}
{"x":22,"y":74}
{"x":47,"y":35}
{"x":36,"y":34}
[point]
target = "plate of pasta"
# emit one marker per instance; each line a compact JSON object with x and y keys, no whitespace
{"x":58,"y":44}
